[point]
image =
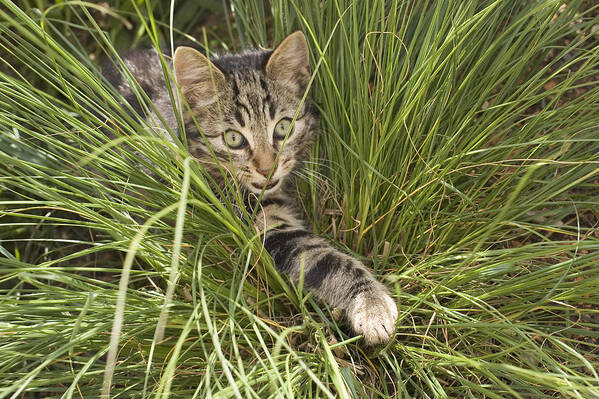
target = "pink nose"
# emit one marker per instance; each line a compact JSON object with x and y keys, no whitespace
{"x":264,"y":172}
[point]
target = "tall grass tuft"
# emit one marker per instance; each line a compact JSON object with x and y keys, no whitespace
{"x":459,"y":158}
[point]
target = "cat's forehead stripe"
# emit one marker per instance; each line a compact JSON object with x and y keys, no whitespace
{"x":239,"y":118}
{"x":272,"y":108}
{"x":242,"y":107}
{"x":235,"y":86}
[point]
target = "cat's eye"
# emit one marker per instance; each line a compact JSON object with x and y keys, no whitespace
{"x":281,"y":129}
{"x":235,"y":140}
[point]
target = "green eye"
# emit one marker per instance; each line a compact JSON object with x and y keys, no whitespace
{"x":281,"y":129}
{"x":233,"y":139}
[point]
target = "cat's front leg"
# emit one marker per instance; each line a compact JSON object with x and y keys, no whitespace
{"x":333,"y":276}
{"x":373,"y":313}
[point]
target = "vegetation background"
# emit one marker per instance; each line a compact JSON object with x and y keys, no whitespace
{"x":459,"y":159}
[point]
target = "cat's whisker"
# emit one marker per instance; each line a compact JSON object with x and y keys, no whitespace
{"x":319,"y":178}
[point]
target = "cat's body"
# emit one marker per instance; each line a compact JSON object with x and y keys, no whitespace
{"x":245,"y":105}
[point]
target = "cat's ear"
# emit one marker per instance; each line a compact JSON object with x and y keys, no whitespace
{"x":199,"y":79}
{"x":291,"y":61}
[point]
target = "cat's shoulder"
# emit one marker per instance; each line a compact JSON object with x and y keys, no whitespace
{"x":143,"y":64}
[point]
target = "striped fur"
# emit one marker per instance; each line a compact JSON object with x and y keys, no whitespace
{"x":250,"y":94}
{"x":334,"y":277}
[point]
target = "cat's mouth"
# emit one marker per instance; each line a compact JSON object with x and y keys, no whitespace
{"x":271,"y":184}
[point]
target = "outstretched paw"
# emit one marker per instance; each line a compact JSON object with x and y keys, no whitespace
{"x":373,"y":314}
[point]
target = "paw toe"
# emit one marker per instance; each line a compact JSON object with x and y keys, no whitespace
{"x":374,"y":317}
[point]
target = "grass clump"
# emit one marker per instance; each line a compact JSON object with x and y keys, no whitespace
{"x":458,"y":158}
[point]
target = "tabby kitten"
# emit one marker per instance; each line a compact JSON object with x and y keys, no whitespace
{"x":245,"y":104}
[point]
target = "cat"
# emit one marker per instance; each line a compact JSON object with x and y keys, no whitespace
{"x":245,"y":105}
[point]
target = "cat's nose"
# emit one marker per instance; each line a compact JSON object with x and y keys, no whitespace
{"x":265,"y":171}
{"x":264,"y":161}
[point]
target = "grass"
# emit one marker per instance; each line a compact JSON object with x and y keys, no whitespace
{"x":459,"y":158}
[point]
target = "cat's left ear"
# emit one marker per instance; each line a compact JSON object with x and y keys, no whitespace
{"x":199,"y":79}
{"x":290,"y":61}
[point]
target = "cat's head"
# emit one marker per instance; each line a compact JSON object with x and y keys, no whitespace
{"x":244,"y":105}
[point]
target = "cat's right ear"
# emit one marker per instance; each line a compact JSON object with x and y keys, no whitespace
{"x":199,"y":79}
